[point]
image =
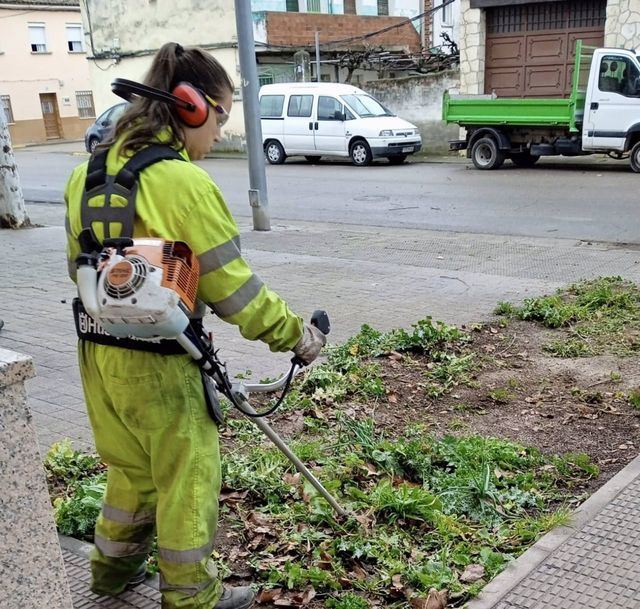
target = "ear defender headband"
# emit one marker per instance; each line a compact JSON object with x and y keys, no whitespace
{"x":189,"y":102}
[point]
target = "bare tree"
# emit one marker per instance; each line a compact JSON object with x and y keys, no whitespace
{"x":12,"y":210}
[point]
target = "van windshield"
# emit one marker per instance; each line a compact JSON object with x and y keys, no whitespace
{"x":366,"y":106}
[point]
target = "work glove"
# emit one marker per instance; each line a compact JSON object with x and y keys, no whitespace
{"x":309,"y":346}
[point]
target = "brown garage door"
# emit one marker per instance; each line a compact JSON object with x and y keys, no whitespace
{"x":530,"y":47}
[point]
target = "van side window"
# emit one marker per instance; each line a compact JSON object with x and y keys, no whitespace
{"x":271,"y":106}
{"x":329,"y":109}
{"x":619,"y":74}
{"x":300,"y":105}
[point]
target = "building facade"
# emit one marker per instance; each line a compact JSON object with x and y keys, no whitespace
{"x":123,"y":36}
{"x":527,"y":49}
{"x":45,"y":88}
{"x":284,"y":27}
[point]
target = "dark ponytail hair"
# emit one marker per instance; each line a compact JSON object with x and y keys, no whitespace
{"x":172,"y":64}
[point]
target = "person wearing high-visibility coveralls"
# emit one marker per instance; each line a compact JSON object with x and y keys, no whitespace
{"x":147,"y":410}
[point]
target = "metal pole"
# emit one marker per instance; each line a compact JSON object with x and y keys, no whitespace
{"x":317,"y":56}
{"x":258,"y":198}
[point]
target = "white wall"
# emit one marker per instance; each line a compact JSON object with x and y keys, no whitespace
{"x":126,"y":26}
{"x":446,"y":20}
{"x":24,"y":75}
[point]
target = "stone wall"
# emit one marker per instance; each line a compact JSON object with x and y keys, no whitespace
{"x":33,"y":574}
{"x":622,"y":28}
{"x":472,"y":42}
{"x":418,"y":99}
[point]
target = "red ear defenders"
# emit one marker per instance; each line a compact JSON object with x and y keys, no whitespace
{"x":189,"y":102}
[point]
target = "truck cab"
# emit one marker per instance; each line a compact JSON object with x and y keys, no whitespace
{"x":600,"y":115}
{"x":612,"y":102}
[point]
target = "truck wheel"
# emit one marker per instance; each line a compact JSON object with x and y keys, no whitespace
{"x":360,"y":153}
{"x":485,"y":154}
{"x":524,"y":159}
{"x":635,"y":157}
{"x":275,"y":152}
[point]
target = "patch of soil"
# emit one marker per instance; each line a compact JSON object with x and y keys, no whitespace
{"x":520,"y":393}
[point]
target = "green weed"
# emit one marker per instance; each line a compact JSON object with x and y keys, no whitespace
{"x":634,"y":398}
{"x":600,"y":315}
{"x":349,"y":600}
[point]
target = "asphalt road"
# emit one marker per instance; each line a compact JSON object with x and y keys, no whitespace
{"x":585,"y":199}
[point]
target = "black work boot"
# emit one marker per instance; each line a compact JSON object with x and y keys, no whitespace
{"x":241,"y":597}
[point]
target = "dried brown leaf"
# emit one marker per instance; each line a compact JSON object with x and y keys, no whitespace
{"x":268,"y":596}
{"x":472,"y":573}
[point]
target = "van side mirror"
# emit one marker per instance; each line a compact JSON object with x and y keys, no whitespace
{"x":339,"y":116}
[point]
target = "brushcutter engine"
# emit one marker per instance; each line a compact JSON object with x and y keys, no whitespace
{"x":142,"y":288}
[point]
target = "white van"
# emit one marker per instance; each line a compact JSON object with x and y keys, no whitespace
{"x":331,"y":119}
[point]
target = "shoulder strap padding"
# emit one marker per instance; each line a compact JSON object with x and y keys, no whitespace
{"x":124,"y":184}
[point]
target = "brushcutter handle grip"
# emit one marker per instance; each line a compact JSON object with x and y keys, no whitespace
{"x":320,"y":319}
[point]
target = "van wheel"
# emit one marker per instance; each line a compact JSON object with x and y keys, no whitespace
{"x":360,"y":153}
{"x":275,"y":152}
{"x":312,"y":158}
{"x":397,"y":159}
{"x":635,"y":158}
{"x":485,"y":154}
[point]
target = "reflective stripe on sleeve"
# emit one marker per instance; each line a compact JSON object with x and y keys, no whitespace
{"x":191,"y":590}
{"x":123,"y":517}
{"x":219,"y":256}
{"x":239,"y":299}
{"x":186,"y":556}
{"x":120,"y":549}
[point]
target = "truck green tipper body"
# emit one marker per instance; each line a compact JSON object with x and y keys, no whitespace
{"x":606,"y":82}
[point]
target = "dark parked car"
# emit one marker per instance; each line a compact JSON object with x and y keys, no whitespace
{"x":100,"y":130}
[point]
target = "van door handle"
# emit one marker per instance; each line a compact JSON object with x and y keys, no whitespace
{"x":316,"y":126}
{"x":310,"y":126}
{"x":595,"y":105}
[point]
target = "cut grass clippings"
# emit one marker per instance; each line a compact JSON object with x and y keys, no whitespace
{"x":436,"y":510}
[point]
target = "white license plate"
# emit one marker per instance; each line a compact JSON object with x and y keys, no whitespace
{"x":407,"y":149}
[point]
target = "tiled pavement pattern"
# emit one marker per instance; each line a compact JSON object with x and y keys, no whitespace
{"x":77,"y":567}
{"x":596,"y":568}
{"x":384,"y":277}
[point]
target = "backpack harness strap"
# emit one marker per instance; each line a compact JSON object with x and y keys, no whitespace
{"x":124,"y":184}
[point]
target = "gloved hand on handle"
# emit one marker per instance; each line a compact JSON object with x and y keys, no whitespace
{"x":309,"y":346}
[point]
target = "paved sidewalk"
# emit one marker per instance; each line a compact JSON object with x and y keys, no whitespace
{"x":384,"y":277}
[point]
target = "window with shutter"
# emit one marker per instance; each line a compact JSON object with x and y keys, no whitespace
{"x":74,"y":38}
{"x":37,"y":38}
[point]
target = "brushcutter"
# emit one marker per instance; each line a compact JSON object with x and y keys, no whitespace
{"x":145,"y":290}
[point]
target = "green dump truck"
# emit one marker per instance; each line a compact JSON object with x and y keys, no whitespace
{"x":601,"y":115}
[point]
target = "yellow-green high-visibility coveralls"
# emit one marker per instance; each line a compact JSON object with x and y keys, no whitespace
{"x":148,"y":411}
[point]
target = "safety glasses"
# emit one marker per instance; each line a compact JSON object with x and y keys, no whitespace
{"x":223,"y":115}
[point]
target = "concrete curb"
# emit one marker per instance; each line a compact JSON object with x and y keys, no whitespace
{"x":500,"y":586}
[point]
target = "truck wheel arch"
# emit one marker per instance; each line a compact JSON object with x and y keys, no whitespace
{"x":500,"y":138}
